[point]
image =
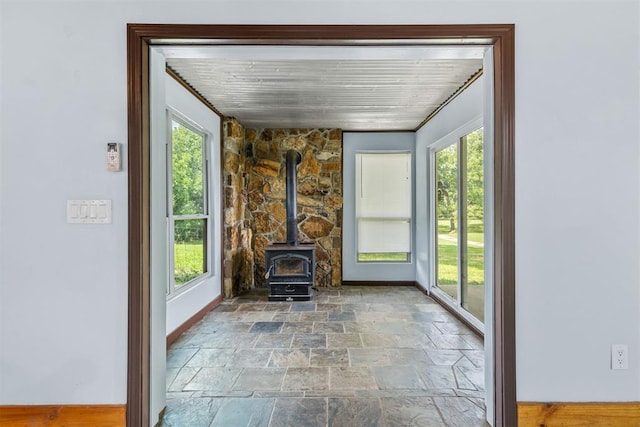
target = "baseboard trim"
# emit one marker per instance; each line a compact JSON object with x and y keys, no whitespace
{"x":63,"y":415}
{"x":378,"y":283}
{"x":193,"y":320}
{"x":421,"y":288}
{"x":574,"y":414}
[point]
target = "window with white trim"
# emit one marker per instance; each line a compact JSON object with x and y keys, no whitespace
{"x":383,"y":206}
{"x":188,"y":204}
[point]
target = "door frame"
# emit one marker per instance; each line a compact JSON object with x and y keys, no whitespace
{"x":141,"y":36}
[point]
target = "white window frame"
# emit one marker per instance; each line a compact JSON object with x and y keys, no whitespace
{"x":409,"y":219}
{"x":172,"y":291}
{"x":444,"y":142}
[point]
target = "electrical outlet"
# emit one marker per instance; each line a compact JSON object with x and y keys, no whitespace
{"x":619,"y":356}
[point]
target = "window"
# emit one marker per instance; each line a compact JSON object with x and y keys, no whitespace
{"x":459,"y":221}
{"x":188,"y":208}
{"x":383,"y":207}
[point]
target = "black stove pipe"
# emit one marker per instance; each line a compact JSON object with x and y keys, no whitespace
{"x":293,"y":158}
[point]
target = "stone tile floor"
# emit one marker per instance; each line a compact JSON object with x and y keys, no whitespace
{"x":354,"y":356}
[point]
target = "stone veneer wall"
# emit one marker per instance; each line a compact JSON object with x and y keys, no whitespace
{"x":238,"y":234}
{"x":319,"y":205}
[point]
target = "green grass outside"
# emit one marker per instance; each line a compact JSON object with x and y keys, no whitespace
{"x":383,"y":257}
{"x":447,"y":253}
{"x":189,"y":261}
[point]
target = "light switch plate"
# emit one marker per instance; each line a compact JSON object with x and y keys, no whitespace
{"x":89,"y":211}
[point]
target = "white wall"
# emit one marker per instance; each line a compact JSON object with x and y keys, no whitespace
{"x":64,"y":287}
{"x":351,"y":144}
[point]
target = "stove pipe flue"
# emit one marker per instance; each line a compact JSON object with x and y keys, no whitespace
{"x":293,"y":159}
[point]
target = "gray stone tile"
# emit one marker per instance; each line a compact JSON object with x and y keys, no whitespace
{"x":430,"y":307}
{"x":407,"y":393}
{"x":303,"y":306}
{"x":281,"y":307}
{"x":200,"y":340}
{"x":309,"y":341}
{"x":222,"y":393}
{"x":171,"y":375}
{"x":344,"y":341}
{"x":276,"y":393}
{"x":182,"y":378}
{"x":330,"y":393}
{"x":444,"y":357}
{"x":230,"y":340}
{"x":474,"y":341}
{"x":194,"y":412}
{"x":410,"y":411}
{"x":297,"y":327}
{"x":171,"y":395}
{"x":218,"y":379}
{"x":438,"y":376}
{"x":294,"y":358}
{"x":274,"y":341}
{"x":398,"y":378}
{"x":250,"y":358}
{"x":475,"y":356}
{"x":408,"y":356}
{"x":378,"y":340}
{"x":460,"y":412}
{"x":396,"y":323}
{"x":420,"y":341}
{"x":451,"y":328}
{"x":244,"y":412}
{"x":329,"y":357}
{"x":313,"y":316}
{"x":257,"y":316}
{"x":354,"y":412}
{"x":328,"y":327}
{"x":450,"y":342}
{"x":266,"y":327}
{"x":479,"y":394}
{"x":177,"y":358}
{"x":290,"y":412}
{"x":397,"y":328}
{"x":251,"y":307}
{"x":474,"y":376}
{"x":287,"y":317}
{"x":369,"y":357}
{"x":213,"y":326}
{"x":432,"y":316}
{"x":347,"y":378}
{"x":224,"y":307}
{"x":252,"y":379}
{"x":314,"y":378}
{"x":329,"y":307}
{"x":342,"y":316}
{"x":210,"y":357}
{"x":355,"y":307}
{"x":360,"y":327}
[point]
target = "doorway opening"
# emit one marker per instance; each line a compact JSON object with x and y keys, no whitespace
{"x":140,"y":37}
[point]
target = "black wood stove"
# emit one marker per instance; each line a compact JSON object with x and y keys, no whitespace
{"x":291,"y":266}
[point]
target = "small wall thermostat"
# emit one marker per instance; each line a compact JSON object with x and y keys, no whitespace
{"x":114,"y":157}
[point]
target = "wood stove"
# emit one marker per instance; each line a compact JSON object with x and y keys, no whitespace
{"x":290,"y":271}
{"x":290,"y":266}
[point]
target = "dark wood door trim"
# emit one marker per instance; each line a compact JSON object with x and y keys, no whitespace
{"x":140,"y":36}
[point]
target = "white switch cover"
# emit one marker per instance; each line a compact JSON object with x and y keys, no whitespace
{"x":89,"y":211}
